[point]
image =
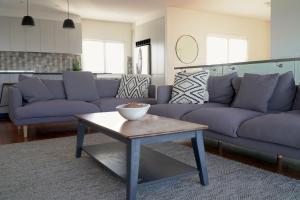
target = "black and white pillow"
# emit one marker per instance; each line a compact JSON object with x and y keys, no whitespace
{"x":190,"y":88}
{"x":133,"y":86}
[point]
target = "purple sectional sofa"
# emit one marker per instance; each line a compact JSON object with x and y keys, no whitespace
{"x":61,"y":108}
{"x":274,"y":132}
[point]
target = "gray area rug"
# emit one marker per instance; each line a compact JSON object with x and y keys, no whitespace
{"x":48,"y":170}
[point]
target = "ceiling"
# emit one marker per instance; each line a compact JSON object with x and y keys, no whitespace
{"x":134,"y":10}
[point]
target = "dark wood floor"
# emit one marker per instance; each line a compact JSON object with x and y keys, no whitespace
{"x":9,"y":134}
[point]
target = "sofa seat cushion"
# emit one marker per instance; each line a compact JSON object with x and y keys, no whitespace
{"x":55,"y":108}
{"x":178,"y":110}
{"x":222,"y":120}
{"x":110,"y":103}
{"x":281,"y":128}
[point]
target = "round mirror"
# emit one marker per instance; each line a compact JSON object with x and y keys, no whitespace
{"x":186,"y":49}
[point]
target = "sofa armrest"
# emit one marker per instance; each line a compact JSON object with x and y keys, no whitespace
{"x":15,"y":101}
{"x":164,"y":93}
{"x":152,"y":91}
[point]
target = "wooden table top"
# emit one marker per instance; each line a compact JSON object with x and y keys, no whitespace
{"x":149,"y":125}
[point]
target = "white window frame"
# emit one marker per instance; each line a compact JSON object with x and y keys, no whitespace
{"x":104,"y":57}
{"x":228,"y":37}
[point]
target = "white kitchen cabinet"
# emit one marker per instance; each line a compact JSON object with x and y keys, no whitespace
{"x":47,"y":36}
{"x":33,"y":37}
{"x":61,"y":38}
{"x":18,"y":36}
{"x":75,"y":41}
{"x":4,"y":34}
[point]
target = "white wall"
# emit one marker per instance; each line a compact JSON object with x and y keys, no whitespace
{"x":200,"y":24}
{"x":110,"y":31}
{"x":155,"y":30}
{"x":285,"y":28}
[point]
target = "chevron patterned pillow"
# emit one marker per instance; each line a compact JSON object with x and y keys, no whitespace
{"x":133,"y":86}
{"x":190,"y":88}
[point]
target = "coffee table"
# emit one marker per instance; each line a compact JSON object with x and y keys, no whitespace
{"x":130,"y":159}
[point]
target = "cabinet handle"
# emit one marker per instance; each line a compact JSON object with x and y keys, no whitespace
{"x":232,"y":68}
{"x":280,"y":65}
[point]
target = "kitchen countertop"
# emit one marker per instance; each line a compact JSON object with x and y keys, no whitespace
{"x":39,"y":73}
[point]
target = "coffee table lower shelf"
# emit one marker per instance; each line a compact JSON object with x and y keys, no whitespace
{"x":154,"y":166}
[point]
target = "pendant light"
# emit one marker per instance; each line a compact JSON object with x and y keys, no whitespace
{"x":68,"y":23}
{"x":27,"y":20}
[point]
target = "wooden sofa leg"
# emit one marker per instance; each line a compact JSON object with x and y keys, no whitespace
{"x":19,"y":129}
{"x":220,"y":147}
{"x":279,"y":163}
{"x":25,"y":131}
{"x":88,"y":129}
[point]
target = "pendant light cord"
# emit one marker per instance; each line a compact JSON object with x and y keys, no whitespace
{"x":27,"y":7}
{"x":68,"y":9}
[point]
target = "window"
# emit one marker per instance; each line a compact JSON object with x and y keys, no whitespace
{"x":103,"y":56}
{"x":226,"y":50}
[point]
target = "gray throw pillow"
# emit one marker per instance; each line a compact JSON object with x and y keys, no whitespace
{"x":56,"y":87}
{"x":255,"y":92}
{"x":284,"y":93}
{"x":80,"y":86}
{"x":296,"y":105}
{"x":23,"y":77}
{"x":220,"y":88}
{"x":33,"y":89}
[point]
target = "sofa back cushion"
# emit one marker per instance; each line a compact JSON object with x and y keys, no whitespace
{"x":80,"y":86}
{"x":284,"y":93}
{"x":255,"y":92}
{"x":236,"y":84}
{"x":296,"y":105}
{"x":56,"y":87}
{"x":107,"y":87}
{"x":220,"y":88}
{"x":33,"y":90}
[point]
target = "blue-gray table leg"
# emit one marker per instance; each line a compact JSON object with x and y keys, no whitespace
{"x":80,"y":137}
{"x":133,"y":160}
{"x":199,"y":152}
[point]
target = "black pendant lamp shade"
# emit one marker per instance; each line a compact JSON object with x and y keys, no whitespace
{"x":27,"y":20}
{"x":68,"y":23}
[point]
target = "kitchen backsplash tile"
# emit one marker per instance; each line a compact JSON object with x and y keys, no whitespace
{"x":38,"y":62}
